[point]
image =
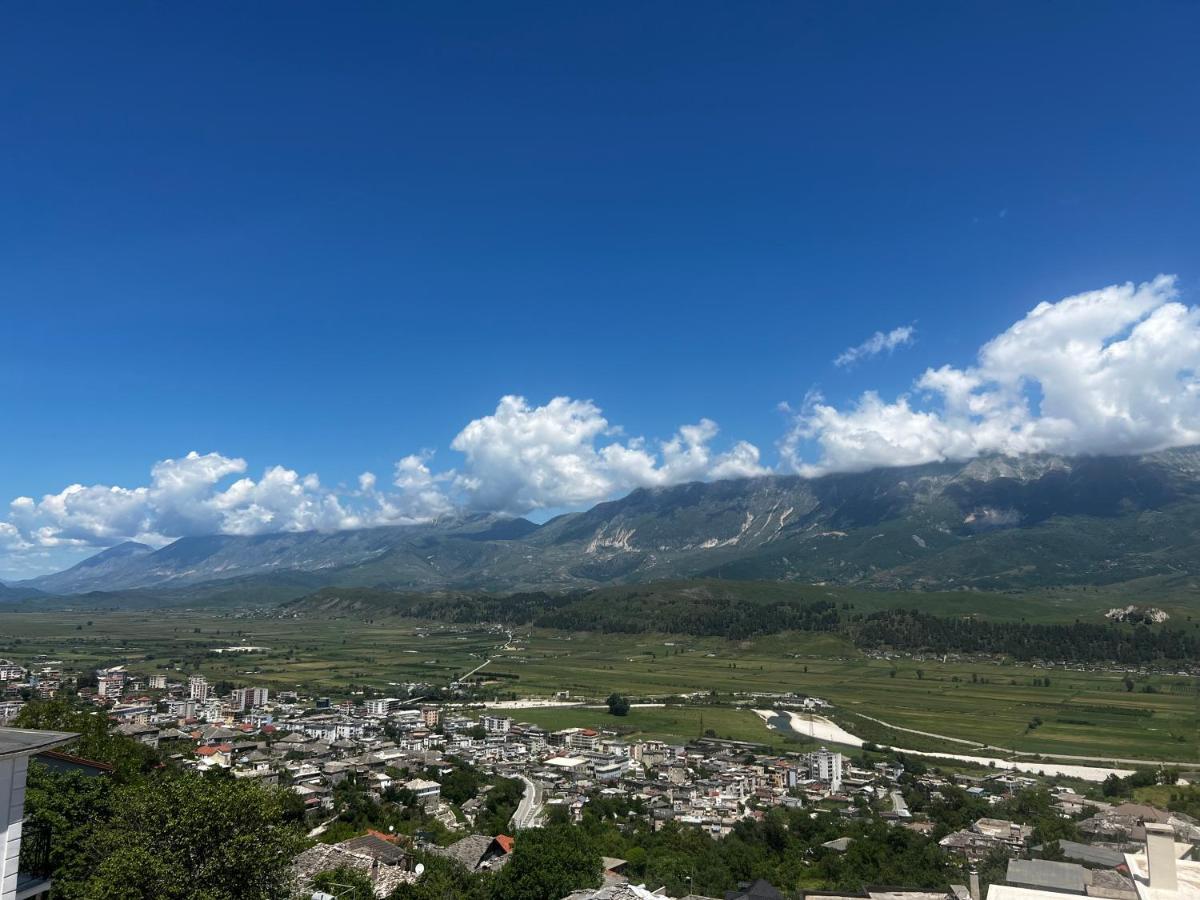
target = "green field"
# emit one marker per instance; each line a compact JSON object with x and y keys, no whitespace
{"x":675,"y":724}
{"x":1088,"y":713}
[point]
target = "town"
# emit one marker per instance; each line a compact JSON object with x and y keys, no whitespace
{"x":382,"y":783}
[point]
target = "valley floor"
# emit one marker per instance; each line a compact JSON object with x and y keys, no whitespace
{"x":939,"y":703}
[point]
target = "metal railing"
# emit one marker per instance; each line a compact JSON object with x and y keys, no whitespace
{"x":35,"y":849}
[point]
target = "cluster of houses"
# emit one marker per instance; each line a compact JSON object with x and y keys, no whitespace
{"x":310,"y":745}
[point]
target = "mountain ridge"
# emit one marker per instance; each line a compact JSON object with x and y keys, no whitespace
{"x":992,"y":523}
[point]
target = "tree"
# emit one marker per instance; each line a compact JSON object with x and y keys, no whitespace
{"x":617,"y":705}
{"x":95,"y":742}
{"x":549,"y":862}
{"x":71,"y":805}
{"x":182,"y":836}
{"x":444,"y":878}
{"x":345,"y":884}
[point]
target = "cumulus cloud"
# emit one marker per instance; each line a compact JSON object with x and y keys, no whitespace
{"x":183,"y":497}
{"x":1109,"y":371}
{"x":877,"y":343}
{"x":565,"y":453}
{"x":515,"y":460}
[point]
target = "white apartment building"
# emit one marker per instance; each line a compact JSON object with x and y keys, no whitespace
{"x":380,"y":706}
{"x":827,"y":767}
{"x":198,"y":688}
{"x":497,"y":724}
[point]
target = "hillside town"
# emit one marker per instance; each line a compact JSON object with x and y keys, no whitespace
{"x":418,"y":756}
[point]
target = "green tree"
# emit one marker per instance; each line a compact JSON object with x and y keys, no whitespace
{"x":96,"y":742}
{"x":444,"y":878}
{"x":345,"y":884}
{"x":617,"y":705}
{"x":547,"y":863}
{"x":72,"y":805}
{"x":181,"y":836}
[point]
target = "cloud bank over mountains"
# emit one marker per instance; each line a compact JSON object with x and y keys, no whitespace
{"x":518,"y":459}
{"x":1109,"y":371}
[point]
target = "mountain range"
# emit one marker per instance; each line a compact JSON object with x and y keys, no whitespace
{"x":990,"y":523}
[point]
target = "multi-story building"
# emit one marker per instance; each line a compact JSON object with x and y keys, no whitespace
{"x":583,"y":739}
{"x":158,"y":682}
{"x":110,"y":683}
{"x":380,"y":706}
{"x":109,"y":687}
{"x":430,"y":716}
{"x":827,"y":767}
{"x":497,"y":724}
{"x":46,"y":682}
{"x":247,"y":698}
{"x":10,"y":671}
{"x":198,"y":688}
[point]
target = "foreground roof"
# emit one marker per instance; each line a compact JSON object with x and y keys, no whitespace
{"x":26,"y":741}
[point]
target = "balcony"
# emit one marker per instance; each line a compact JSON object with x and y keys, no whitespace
{"x":33,"y":877}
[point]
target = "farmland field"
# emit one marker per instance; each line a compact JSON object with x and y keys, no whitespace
{"x":1089,"y":713}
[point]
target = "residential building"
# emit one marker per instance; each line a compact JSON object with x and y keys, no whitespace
{"x":198,"y":688}
{"x":827,"y":768}
{"x":380,"y":706}
{"x":110,"y":683}
{"x":497,"y":724}
{"x":248,"y":698}
{"x":430,"y":715}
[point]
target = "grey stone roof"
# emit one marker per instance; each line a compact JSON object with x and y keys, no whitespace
{"x":1047,"y":874}
{"x":470,"y":850}
{"x":323,"y":857}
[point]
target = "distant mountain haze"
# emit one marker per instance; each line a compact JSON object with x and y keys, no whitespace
{"x":991,"y":523}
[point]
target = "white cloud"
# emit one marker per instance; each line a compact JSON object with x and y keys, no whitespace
{"x":183,"y":498}
{"x":517,"y":459}
{"x":1107,"y":371}
{"x":877,"y":343}
{"x":566,"y":454}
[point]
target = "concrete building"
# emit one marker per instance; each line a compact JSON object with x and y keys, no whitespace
{"x":827,"y":767}
{"x":198,"y":688}
{"x":497,"y":724}
{"x":158,"y":682}
{"x":248,"y":698}
{"x":1158,"y":872}
{"x":110,"y":683}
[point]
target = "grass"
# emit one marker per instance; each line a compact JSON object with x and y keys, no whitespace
{"x":675,"y":724}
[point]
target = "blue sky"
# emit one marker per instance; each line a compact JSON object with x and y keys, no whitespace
{"x":327,"y":237}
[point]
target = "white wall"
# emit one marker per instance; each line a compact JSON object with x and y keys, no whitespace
{"x":12,"y":807}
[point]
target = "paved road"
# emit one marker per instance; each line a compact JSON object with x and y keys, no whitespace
{"x":1110,"y":760}
{"x":529,"y":810}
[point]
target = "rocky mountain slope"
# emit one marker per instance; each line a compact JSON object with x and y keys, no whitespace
{"x":989,"y":523}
